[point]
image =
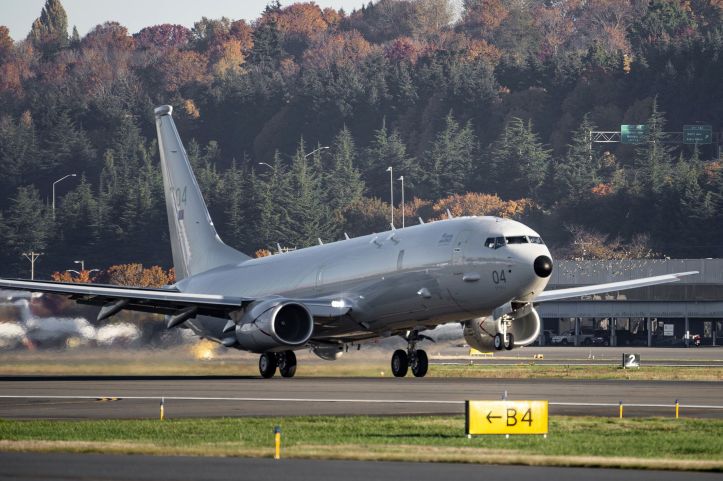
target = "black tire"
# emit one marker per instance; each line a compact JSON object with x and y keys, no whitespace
{"x":498,"y":342}
{"x":267,"y":365}
{"x":400,"y":363}
{"x":287,"y":364}
{"x":510,"y":343}
{"x":420,"y":365}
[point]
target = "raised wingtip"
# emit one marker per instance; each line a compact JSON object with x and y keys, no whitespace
{"x":163,"y":110}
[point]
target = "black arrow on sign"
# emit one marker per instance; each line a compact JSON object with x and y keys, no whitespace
{"x":490,"y":417}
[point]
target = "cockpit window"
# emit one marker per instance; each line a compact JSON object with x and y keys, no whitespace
{"x":520,"y":239}
{"x":536,"y":240}
{"x":495,"y":242}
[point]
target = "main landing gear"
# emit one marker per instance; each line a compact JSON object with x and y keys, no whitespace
{"x":285,"y":361}
{"x":413,"y":358}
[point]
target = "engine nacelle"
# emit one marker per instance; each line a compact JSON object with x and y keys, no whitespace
{"x":274,"y":324}
{"x":524,"y":326}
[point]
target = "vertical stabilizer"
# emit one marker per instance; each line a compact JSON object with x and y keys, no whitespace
{"x":195,"y":244}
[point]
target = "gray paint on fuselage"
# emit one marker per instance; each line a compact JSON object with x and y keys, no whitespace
{"x":382,"y":286}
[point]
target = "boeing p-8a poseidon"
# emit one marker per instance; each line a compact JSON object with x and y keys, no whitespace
{"x":484,"y":272}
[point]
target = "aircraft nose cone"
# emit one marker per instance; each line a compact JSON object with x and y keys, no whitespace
{"x":543,"y":266}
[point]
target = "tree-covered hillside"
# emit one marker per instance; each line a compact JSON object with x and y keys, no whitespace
{"x":487,"y":113}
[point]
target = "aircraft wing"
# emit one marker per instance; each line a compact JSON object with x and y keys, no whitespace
{"x":116,"y":298}
{"x":557,"y":294}
{"x":168,"y":301}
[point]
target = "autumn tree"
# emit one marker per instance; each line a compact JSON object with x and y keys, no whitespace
{"x":138,"y":276}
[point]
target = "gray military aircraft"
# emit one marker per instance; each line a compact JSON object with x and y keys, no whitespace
{"x":485,"y":272}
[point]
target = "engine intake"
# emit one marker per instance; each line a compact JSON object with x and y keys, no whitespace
{"x":274,"y":324}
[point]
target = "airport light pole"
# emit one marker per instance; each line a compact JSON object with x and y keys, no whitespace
{"x":401,"y":177}
{"x":59,"y":180}
{"x":267,"y":165}
{"x":82,"y":264}
{"x":390,"y":169}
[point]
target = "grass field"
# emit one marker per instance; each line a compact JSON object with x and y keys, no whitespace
{"x":189,"y":367}
{"x":684,"y":444}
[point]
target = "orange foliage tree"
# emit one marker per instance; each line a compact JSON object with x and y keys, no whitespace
{"x":138,"y":276}
{"x":480,"y":204}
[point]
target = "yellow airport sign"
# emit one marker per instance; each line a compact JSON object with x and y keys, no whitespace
{"x":506,"y":417}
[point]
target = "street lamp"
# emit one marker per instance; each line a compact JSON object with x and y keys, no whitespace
{"x":401,"y":177}
{"x":316,"y":150}
{"x":391,"y":191}
{"x":267,"y":165}
{"x":82,"y":264}
{"x":59,"y":180}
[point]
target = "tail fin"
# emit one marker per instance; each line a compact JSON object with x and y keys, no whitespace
{"x":195,"y":244}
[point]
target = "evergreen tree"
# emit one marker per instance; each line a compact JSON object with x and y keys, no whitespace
{"x":517,"y":161}
{"x":28,"y":225}
{"x":267,"y":49}
{"x":308,"y":214}
{"x":19,"y":153}
{"x":235,"y":195}
{"x":448,"y":163}
{"x":49,"y":32}
{"x":576,"y":173}
{"x":652,"y":162}
{"x":274,"y":196}
{"x":343,"y":184}
{"x":388,"y":150}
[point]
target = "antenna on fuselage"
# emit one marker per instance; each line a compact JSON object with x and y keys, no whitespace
{"x":421,"y":221}
{"x":393,"y":228}
{"x":346,"y":236}
{"x":321,"y":242}
{"x":278,"y":246}
{"x":449,"y":214}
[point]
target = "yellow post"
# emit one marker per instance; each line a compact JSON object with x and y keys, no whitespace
{"x":677,"y":409}
{"x":277,"y":442}
{"x":162,"y":414}
{"x":621,"y":409}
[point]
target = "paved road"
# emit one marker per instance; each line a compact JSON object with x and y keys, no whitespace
{"x":42,"y":466}
{"x":237,"y":396}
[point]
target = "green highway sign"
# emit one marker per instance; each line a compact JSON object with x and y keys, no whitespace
{"x":633,"y":134}
{"x":697,"y":134}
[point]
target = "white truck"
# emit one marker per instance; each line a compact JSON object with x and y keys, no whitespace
{"x":568,"y":338}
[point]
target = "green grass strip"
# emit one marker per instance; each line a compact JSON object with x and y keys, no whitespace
{"x":688,"y":444}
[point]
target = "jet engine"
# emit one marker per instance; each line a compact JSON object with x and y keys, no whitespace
{"x":274,"y":325}
{"x":509,"y":326}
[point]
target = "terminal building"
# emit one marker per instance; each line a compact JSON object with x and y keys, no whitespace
{"x":663,"y":315}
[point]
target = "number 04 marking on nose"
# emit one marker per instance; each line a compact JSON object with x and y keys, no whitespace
{"x":498,"y":276}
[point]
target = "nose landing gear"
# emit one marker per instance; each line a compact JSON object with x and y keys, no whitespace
{"x":504,"y":339}
{"x":414,"y":358}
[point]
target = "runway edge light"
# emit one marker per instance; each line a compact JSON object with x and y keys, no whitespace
{"x":506,"y":417}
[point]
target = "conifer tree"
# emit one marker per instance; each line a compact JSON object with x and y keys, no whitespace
{"x":308,"y":215}
{"x":576,"y":173}
{"x":27,"y":222}
{"x":652,"y":160}
{"x":448,"y":163}
{"x":50,"y":31}
{"x":344,"y":185}
{"x":388,"y":150}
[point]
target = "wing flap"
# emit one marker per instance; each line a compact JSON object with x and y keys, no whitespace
{"x":558,"y":294}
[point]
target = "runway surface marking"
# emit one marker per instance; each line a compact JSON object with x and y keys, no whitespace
{"x":323,"y":400}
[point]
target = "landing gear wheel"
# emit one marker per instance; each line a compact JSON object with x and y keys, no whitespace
{"x":287,"y":363}
{"x":420,"y":363}
{"x":510,"y":343}
{"x":498,"y":342}
{"x":267,"y":365}
{"x":400,"y":363}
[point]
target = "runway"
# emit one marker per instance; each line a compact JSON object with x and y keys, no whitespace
{"x":54,"y":466}
{"x":139,"y":396}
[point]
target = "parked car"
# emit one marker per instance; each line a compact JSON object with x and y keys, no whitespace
{"x":568,"y":337}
